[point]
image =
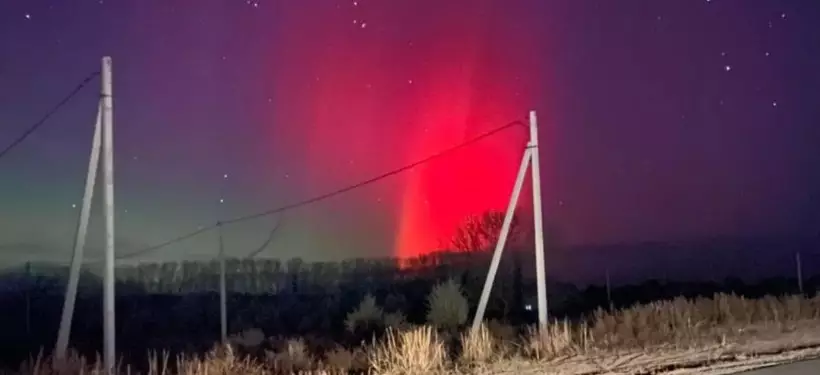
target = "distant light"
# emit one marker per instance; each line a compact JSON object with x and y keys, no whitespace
{"x":528,"y":307}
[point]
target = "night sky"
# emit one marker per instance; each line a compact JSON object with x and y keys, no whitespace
{"x":659,"y":120}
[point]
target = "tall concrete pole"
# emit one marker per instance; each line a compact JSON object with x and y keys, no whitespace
{"x":109,"y":352}
{"x":540,"y":272}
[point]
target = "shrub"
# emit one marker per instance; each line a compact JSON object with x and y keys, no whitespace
{"x":341,"y":359}
{"x":447,"y":306}
{"x":293,"y":358}
{"x":396,"y":320}
{"x":248,"y":339}
{"x":367,"y":316}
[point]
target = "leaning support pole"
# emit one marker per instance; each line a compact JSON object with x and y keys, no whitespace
{"x":109,"y":334}
{"x":502,"y":240}
{"x":540,"y":273}
{"x":79,"y":245}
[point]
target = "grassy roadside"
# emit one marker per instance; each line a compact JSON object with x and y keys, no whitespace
{"x":659,"y":337}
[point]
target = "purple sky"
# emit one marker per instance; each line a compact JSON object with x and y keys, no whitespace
{"x":660,"y":120}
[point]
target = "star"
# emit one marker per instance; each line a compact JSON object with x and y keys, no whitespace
{"x":727,"y":68}
{"x":73,"y":205}
{"x":221,"y":200}
{"x":410,"y":81}
{"x":364,"y":24}
{"x":225,"y":176}
{"x":28,"y":16}
{"x":774,"y":103}
{"x":766,"y":54}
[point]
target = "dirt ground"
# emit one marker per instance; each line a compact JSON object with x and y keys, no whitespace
{"x":749,"y":349}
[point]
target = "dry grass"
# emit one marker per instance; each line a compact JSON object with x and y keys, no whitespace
{"x":415,"y":351}
{"x":479,"y":347}
{"x":653,"y":337}
{"x":343,"y":360}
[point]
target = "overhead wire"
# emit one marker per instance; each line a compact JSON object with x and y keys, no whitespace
{"x":321,"y":197}
{"x":31,"y":129}
{"x":267,"y":242}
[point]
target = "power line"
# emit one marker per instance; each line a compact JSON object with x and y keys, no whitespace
{"x":327,"y":195}
{"x":252,"y":254}
{"x":48,"y":114}
{"x":267,"y":241}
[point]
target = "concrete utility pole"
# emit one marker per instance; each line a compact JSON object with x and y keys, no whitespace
{"x":529,"y":159}
{"x":109,"y":333}
{"x":799,"y":265}
{"x":540,"y":272}
{"x":609,"y":291}
{"x":101,"y":145}
{"x":223,"y":289}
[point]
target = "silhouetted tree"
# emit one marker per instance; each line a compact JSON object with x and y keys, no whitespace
{"x":481,"y":232}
